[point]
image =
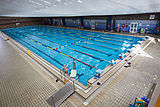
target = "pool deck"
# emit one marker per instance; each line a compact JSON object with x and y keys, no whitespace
{"x":24,"y":84}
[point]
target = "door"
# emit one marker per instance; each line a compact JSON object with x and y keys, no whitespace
{"x":92,"y":24}
{"x":133,"y":27}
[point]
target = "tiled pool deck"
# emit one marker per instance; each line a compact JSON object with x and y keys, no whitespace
{"x":22,"y":85}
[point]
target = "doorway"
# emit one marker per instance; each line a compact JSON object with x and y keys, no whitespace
{"x":133,"y":27}
{"x":92,"y":24}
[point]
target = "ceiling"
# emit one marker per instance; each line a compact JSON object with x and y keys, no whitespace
{"x":47,"y":8}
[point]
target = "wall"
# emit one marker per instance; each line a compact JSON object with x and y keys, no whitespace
{"x":47,"y":21}
{"x":149,"y":25}
{"x":100,"y":22}
{"x":10,"y":22}
{"x":53,"y":21}
{"x":143,"y":21}
{"x":57,"y":21}
{"x":136,"y":16}
{"x":111,"y":22}
{"x":73,"y":22}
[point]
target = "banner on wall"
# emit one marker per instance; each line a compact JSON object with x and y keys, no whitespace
{"x":86,"y":23}
{"x":61,"y":22}
{"x":140,"y":24}
{"x":17,"y":24}
{"x":152,"y":17}
{"x":74,"y":19}
{"x":126,"y":21}
{"x":92,"y":24}
{"x":47,"y":21}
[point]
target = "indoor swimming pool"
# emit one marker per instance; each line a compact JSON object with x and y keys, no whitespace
{"x":91,"y":51}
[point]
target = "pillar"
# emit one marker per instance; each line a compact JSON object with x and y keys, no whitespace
{"x":109,"y":22}
{"x":81,"y":20}
{"x":63,"y":20}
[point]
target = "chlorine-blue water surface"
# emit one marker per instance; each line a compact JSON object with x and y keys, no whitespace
{"x":61,"y":46}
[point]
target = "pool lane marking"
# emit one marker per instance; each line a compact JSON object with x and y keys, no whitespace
{"x":51,"y":28}
{"x":77,"y":50}
{"x":124,"y":38}
{"x":100,"y":37}
{"x":38,"y":50}
{"x":95,"y":49}
{"x":115,"y":37}
{"x":102,"y":34}
{"x":97,"y":40}
{"x":95,"y":44}
{"x":106,"y":38}
{"x":85,"y":38}
{"x":107,"y":42}
{"x":71,"y":49}
{"x":116,"y":49}
{"x":65,"y":55}
{"x":88,"y":48}
{"x":39,"y":43}
{"x":115,"y":40}
{"x":74,"y":49}
{"x":92,"y":39}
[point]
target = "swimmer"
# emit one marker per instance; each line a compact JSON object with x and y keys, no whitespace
{"x":112,"y":62}
{"x":129,"y":50}
{"x":65,"y":69}
{"x":98,"y":35}
{"x":97,"y":76}
{"x":123,"y":55}
{"x":120,"y":57}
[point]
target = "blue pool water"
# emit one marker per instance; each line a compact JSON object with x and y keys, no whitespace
{"x":59,"y":46}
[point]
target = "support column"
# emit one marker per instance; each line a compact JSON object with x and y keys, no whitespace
{"x":51,"y":21}
{"x":63,"y":20}
{"x":81,"y":19}
{"x":158,"y":23}
{"x":113,"y":24}
{"x":158,"y":27}
{"x":109,"y":22}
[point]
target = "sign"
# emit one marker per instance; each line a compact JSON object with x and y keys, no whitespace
{"x":152,"y":17}
{"x":17,"y":24}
